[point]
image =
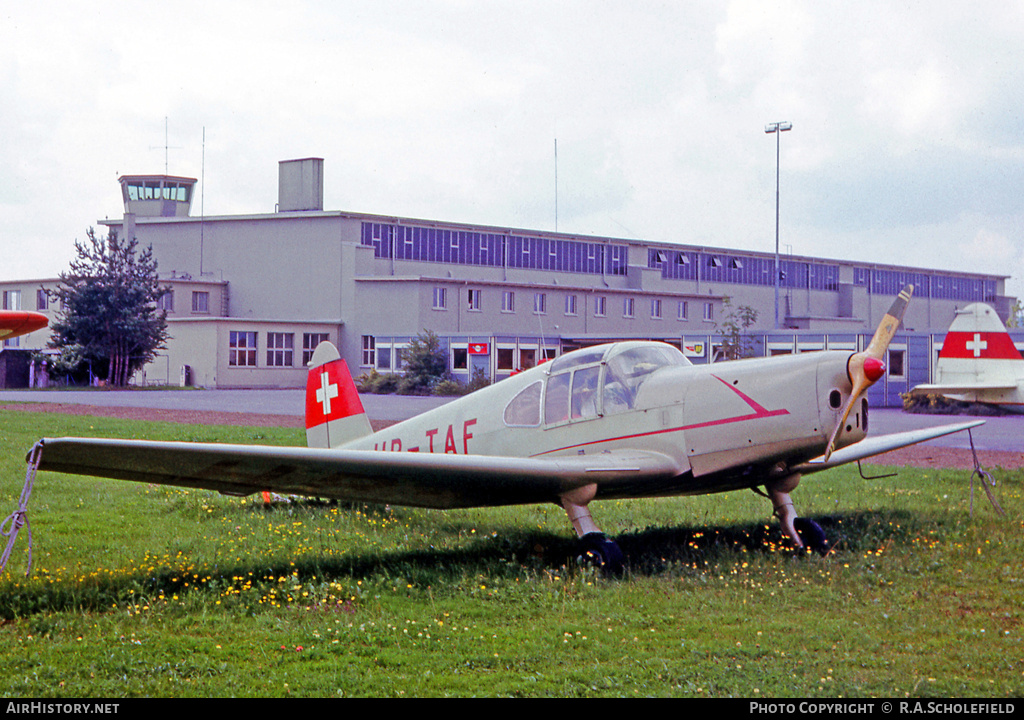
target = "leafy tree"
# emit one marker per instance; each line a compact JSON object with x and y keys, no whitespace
{"x":1016,"y":318}
{"x":425,"y":363}
{"x":735,"y":342}
{"x":108,"y":303}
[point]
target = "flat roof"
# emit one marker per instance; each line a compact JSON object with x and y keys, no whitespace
{"x":504,"y":230}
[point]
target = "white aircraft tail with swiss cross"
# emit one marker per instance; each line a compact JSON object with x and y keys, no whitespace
{"x":978,"y":362}
{"x":334,"y":412}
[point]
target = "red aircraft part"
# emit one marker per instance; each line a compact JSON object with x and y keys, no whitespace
{"x":20,"y":322}
{"x":987,"y":345}
{"x":331,"y":394}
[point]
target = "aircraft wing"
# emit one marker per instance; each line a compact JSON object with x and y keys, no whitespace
{"x":419,"y":479}
{"x":961,"y":388}
{"x":872,"y":446}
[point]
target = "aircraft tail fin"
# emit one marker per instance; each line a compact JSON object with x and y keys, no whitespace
{"x":977,"y":349}
{"x":334,"y":412}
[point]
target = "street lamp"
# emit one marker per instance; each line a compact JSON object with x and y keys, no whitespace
{"x":778,"y":128}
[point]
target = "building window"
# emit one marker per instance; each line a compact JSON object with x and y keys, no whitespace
{"x":400,"y":358}
{"x":655,"y":309}
{"x":599,"y":306}
{"x":460,"y":357}
{"x":628,"y":307}
{"x":200,"y":302}
{"x":166,"y":302}
{"x":709,"y":311}
{"x":683,"y":311}
{"x":506,"y":359}
{"x":384,"y":356}
{"x":897,"y":363}
{"x":508,"y":301}
{"x":12,"y":299}
{"x":440,"y":298}
{"x":540,"y":303}
{"x":369,"y":357}
{"x":42,"y":300}
{"x":242,"y":351}
{"x":309,"y":343}
{"x":473,"y":299}
{"x":570,"y":304}
{"x":280,"y":349}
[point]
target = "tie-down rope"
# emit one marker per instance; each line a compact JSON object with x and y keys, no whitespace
{"x":14,"y":522}
{"x":986,"y":480}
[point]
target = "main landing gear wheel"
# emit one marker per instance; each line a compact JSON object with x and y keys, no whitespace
{"x":599,"y":552}
{"x":811,"y":534}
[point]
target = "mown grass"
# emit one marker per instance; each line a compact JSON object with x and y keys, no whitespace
{"x":138,"y":590}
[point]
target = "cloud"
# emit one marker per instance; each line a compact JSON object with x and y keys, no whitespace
{"x":906,"y":118}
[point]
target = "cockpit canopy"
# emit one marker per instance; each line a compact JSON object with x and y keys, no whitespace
{"x":587,"y":383}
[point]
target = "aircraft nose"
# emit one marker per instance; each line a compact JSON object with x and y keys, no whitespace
{"x":873,"y":369}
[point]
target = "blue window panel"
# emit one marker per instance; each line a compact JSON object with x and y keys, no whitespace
{"x":990,"y":291}
{"x":435,"y":245}
{"x":923,"y":286}
{"x":918,"y":357}
{"x":876,"y":397}
{"x":466,"y":247}
{"x":618,"y":259}
{"x":490,"y":249}
{"x":684,"y":265}
{"x":403,"y":243}
{"x":378,"y":237}
{"x":458,"y":247}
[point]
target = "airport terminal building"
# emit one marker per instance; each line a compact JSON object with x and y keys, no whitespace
{"x":252,"y":295}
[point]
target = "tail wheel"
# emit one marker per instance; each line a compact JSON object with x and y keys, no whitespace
{"x":811,"y":535}
{"x":598,"y":551}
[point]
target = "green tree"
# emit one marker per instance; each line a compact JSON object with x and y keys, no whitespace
{"x":425,"y":362}
{"x":108,"y":302}
{"x":735,"y":342}
{"x":1016,"y":318}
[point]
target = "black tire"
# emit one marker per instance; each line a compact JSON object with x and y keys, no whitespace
{"x":599,"y":552}
{"x":812,"y":536}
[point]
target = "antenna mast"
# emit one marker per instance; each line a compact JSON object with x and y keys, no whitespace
{"x":166,"y":147}
{"x":556,"y":184}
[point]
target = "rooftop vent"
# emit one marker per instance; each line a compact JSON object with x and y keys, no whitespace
{"x":300,"y":185}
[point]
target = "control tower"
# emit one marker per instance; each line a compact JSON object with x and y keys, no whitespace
{"x":157,"y":195}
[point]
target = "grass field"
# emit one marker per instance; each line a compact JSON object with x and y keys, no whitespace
{"x":138,"y":590}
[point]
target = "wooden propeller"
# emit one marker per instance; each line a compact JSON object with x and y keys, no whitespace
{"x":867,"y":366}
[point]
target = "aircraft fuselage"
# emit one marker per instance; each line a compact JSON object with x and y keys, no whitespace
{"x":728,"y":423}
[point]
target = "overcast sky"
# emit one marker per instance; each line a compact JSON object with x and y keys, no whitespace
{"x":907,"y":143}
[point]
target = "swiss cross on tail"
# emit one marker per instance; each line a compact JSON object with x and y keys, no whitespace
{"x":331,"y":394}
{"x":334,"y":412}
{"x":991,"y":345}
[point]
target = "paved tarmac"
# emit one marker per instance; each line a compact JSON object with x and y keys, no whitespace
{"x":265,"y":402}
{"x":998,"y":433}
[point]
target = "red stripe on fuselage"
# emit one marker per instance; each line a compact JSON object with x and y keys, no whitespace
{"x":760,"y":412}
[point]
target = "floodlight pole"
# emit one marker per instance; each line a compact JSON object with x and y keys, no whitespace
{"x":778,"y":128}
